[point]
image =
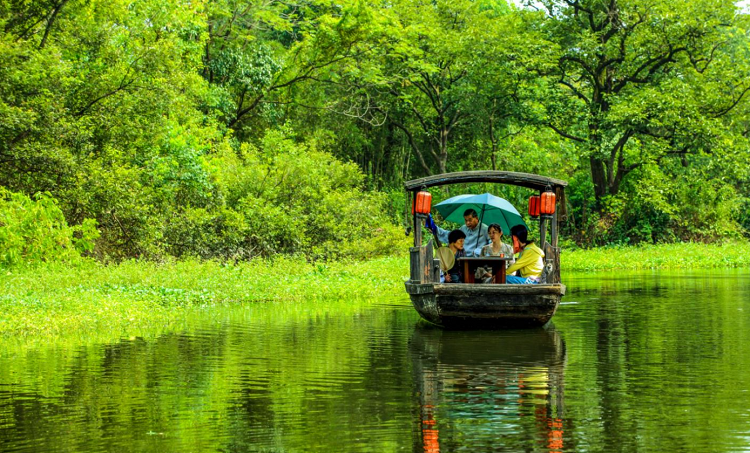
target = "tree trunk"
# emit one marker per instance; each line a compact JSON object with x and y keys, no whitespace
{"x":443,"y":155}
{"x":599,"y":178}
{"x":493,"y":142}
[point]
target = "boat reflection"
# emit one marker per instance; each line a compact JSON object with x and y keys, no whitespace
{"x":489,"y":390}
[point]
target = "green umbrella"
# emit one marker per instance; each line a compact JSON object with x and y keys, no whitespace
{"x":489,"y":208}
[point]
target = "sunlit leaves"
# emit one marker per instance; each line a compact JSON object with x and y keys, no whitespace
{"x":294,"y":198}
{"x":32,"y":231}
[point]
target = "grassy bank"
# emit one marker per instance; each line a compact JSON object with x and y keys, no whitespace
{"x":661,"y":256}
{"x":54,"y":299}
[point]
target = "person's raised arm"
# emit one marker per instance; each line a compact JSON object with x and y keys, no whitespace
{"x":440,"y":233}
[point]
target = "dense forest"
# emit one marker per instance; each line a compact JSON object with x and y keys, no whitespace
{"x":232,"y":129}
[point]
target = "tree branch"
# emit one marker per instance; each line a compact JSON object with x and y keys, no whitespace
{"x":583,"y":64}
{"x":50,"y":22}
{"x":726,"y":110}
{"x":575,"y":90}
{"x":122,"y":87}
{"x":565,"y":134}
{"x":413,"y":145}
{"x":618,"y":152}
{"x":429,"y":89}
{"x":306,"y":74}
{"x":243,"y":112}
{"x":657,"y":63}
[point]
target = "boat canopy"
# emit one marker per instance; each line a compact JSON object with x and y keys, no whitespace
{"x":503,"y":177}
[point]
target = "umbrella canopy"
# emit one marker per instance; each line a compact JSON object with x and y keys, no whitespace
{"x":490,"y":209}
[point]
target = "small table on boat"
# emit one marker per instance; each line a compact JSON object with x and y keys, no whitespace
{"x":470,"y":264}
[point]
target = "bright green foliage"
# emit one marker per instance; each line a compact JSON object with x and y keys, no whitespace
{"x":94,"y":107}
{"x":450,"y":80}
{"x":258,"y":55}
{"x":654,"y":207}
{"x":294,"y":198}
{"x":660,"y":256}
{"x":58,"y":299}
{"x":169,"y":123}
{"x":109,"y":113}
{"x":32,"y":231}
{"x":647,"y":83}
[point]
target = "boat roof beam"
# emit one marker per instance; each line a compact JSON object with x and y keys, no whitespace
{"x":502,"y":177}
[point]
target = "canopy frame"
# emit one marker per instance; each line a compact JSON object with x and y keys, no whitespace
{"x":529,"y":180}
{"x":502,"y":177}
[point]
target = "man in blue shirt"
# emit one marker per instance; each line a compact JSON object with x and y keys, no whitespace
{"x":476,"y":234}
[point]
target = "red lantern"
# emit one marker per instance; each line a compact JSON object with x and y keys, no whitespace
{"x":548,"y":202}
{"x":534,"y":202}
{"x":422,"y":203}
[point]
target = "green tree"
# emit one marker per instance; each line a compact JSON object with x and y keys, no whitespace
{"x":458,"y":71}
{"x":32,"y":231}
{"x":258,"y":54}
{"x":643,"y":82}
{"x":98,"y":107}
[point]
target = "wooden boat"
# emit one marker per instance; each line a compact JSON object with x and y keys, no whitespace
{"x":480,"y":305}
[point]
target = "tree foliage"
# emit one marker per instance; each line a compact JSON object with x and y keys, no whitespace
{"x":645,"y":81}
{"x":32,"y":231}
{"x":227,"y":129}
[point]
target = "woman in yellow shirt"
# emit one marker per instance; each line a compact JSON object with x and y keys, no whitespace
{"x":530,"y":261}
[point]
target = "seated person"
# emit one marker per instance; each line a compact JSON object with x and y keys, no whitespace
{"x":449,"y":255}
{"x":476,"y":233}
{"x":496,"y":248}
{"x":530,"y":262}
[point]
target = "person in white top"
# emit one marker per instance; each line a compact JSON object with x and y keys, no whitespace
{"x":476,"y":234}
{"x":496,"y":248}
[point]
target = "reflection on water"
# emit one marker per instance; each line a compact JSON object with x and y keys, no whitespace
{"x":648,"y":361}
{"x":489,"y":391}
{"x":252,"y":383}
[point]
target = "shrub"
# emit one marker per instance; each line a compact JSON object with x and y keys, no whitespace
{"x":219,"y":233}
{"x":295,"y":199}
{"x":35,"y":230}
{"x":654,"y":207}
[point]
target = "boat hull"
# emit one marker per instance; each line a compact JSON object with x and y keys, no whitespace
{"x":485,"y":305}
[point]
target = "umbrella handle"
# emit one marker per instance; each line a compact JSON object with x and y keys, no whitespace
{"x":481,"y":217}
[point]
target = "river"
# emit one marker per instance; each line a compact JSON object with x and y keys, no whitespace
{"x":632,"y":361}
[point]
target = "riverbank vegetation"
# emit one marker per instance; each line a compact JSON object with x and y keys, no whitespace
{"x":659,"y":256}
{"x":81,"y":297}
{"x":54,"y":299}
{"x":230,"y":131}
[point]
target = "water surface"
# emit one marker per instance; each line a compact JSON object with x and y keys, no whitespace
{"x":647,"y":361}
